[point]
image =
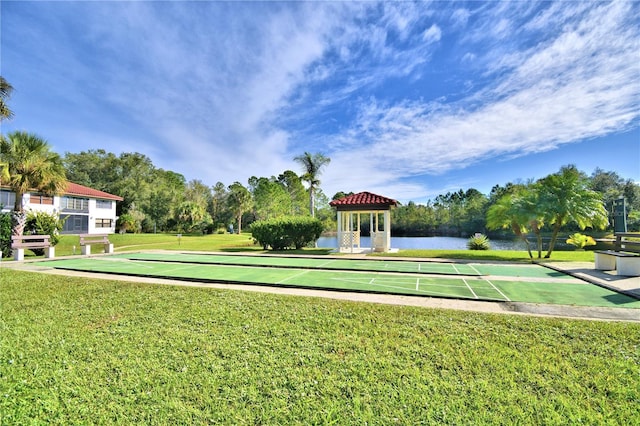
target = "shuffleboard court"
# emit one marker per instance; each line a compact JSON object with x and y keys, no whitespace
{"x":378,"y":265}
{"x":548,"y":290}
{"x":330,"y":263}
{"x":403,"y":266}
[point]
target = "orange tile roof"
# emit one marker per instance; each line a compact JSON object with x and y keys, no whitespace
{"x":82,"y":191}
{"x":85,"y":191}
{"x":364,"y":199}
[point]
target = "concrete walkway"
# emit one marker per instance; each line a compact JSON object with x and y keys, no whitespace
{"x":607,"y":279}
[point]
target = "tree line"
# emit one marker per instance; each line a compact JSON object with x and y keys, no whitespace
{"x":161,"y":200}
{"x":158,"y":200}
{"x":464,"y":213}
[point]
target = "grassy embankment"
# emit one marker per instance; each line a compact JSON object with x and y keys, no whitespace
{"x":79,"y":351}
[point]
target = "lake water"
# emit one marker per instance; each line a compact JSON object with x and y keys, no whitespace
{"x":443,"y":243}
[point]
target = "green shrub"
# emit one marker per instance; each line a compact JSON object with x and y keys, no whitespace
{"x":580,"y":241}
{"x":5,"y":234}
{"x":478,"y":242}
{"x":42,"y":223}
{"x":286,"y":232}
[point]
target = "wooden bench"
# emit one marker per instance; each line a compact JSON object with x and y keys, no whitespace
{"x":624,"y":258}
{"x":21,"y":242}
{"x":87,"y":240}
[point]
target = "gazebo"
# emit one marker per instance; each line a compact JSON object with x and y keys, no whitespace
{"x":351,"y":208}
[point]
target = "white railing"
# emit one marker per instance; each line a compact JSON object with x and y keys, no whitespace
{"x":379,"y":241}
{"x":349,"y":239}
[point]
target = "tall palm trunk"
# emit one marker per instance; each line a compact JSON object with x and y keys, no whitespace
{"x":18,"y":215}
{"x":312,"y":207}
{"x":239,"y":223}
{"x":552,"y":243}
{"x":19,"y":222}
{"x":536,"y":230}
{"x":516,"y":230}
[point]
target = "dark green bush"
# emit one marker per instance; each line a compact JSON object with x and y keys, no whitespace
{"x":286,"y":232}
{"x":5,"y":234}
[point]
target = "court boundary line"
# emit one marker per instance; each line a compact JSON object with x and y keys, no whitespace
{"x":293,"y":276}
{"x":498,"y":290}
{"x":475,"y":296}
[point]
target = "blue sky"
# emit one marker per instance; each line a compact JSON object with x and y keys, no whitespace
{"x":409,"y":100}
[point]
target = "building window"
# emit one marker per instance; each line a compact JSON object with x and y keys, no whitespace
{"x":7,"y":199}
{"x":104,"y":223}
{"x":104,"y":204}
{"x":76,"y":224}
{"x":41,"y":199}
{"x":73,"y":203}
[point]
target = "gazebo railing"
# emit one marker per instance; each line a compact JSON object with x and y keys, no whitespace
{"x":349,"y":239}
{"x":379,"y":241}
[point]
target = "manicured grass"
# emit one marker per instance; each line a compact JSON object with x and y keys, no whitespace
{"x":79,"y":351}
{"x":122,"y":242}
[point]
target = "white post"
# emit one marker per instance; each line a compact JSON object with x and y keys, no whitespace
{"x":387,"y":229}
{"x":340,"y":231}
{"x":351,"y":231}
{"x":372,"y":235}
{"x":50,"y":252}
{"x":18,"y":254}
{"x":359,"y":235}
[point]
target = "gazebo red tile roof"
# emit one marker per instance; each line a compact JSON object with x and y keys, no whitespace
{"x":364,"y":200}
{"x":81,"y":190}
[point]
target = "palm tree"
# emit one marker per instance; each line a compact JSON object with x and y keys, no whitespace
{"x":508,"y":212}
{"x":527,"y":200}
{"x":565,"y":197}
{"x":5,"y":93}
{"x":32,"y":166}
{"x":312,"y":165}
{"x":4,"y":172}
{"x":240,"y":201}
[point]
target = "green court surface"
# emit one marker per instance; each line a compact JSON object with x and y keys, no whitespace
{"x":517,"y":283}
{"x":404,"y":266}
{"x":310,"y":263}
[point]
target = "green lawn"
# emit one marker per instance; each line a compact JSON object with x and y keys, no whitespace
{"x":79,"y":351}
{"x":161,"y":241}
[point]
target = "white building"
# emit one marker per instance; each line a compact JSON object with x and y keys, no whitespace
{"x":88,"y":211}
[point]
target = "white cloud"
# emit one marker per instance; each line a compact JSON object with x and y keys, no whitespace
{"x":432,"y":34}
{"x":223,"y":91}
{"x":460,"y":17}
{"x":211,"y":99}
{"x":580,"y":84}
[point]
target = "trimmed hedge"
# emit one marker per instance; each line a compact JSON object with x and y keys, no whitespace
{"x":286,"y":232}
{"x":5,"y":234}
